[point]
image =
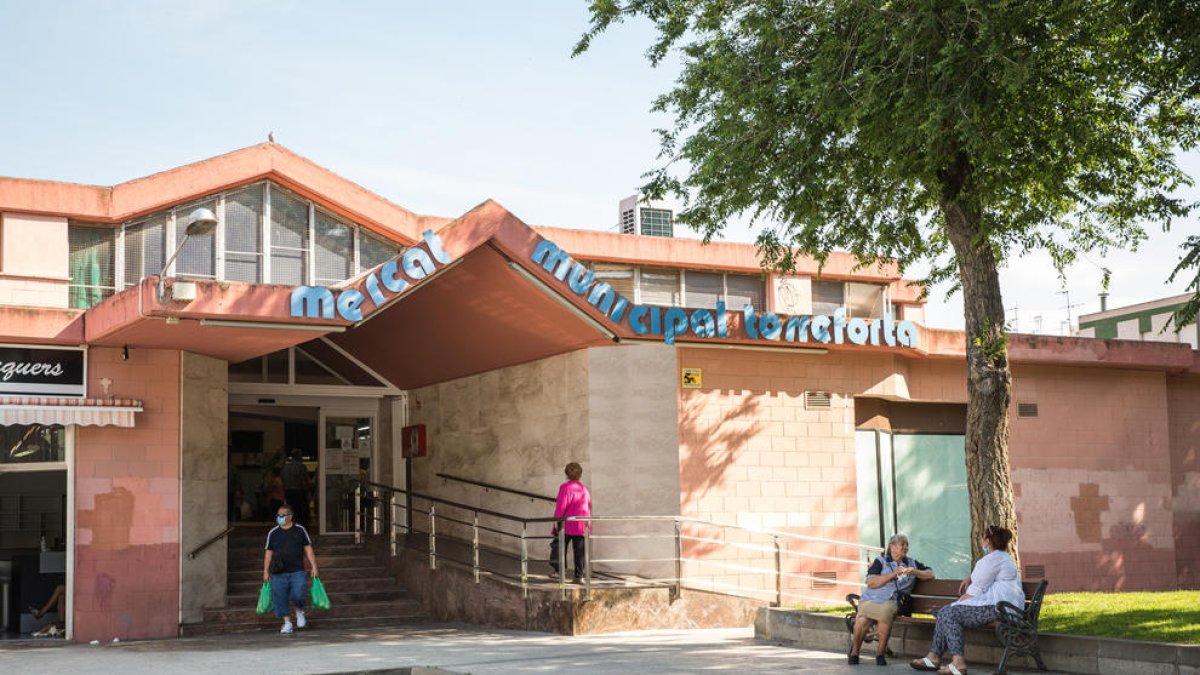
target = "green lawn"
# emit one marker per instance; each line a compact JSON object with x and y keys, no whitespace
{"x":1160,"y":617}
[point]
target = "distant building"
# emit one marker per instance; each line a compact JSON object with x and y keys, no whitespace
{"x":1147,"y":321}
{"x":646,"y":217}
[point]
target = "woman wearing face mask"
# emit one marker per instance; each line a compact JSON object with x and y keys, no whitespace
{"x":994,"y":578}
{"x":288,"y":545}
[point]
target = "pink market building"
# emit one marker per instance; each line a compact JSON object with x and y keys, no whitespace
{"x":313,"y":314}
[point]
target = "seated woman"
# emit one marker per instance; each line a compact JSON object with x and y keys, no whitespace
{"x":57,"y":602}
{"x":892,"y":573}
{"x":994,"y":578}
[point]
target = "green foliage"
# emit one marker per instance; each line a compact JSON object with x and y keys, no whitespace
{"x":851,"y":125}
{"x":992,"y":341}
{"x":1186,"y":315}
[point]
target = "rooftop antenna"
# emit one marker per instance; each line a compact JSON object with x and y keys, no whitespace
{"x":1069,"y":307}
{"x":1014,"y":326}
{"x":1037,"y":324}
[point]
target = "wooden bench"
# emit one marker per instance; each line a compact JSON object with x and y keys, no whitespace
{"x":1017,"y":628}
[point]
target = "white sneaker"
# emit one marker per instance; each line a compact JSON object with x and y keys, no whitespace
{"x":287,"y":627}
{"x":301,"y":621}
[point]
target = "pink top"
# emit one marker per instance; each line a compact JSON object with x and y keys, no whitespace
{"x":573,"y":500}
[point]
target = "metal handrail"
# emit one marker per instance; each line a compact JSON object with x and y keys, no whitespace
{"x":212,"y":540}
{"x":781,"y":545}
{"x":493,"y":486}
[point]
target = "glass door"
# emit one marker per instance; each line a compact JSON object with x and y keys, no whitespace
{"x":347,"y":446}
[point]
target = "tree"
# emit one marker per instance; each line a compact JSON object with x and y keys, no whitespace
{"x":953,"y":132}
{"x":1187,"y":314}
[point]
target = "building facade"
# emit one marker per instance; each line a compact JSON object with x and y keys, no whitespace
{"x":147,"y":407}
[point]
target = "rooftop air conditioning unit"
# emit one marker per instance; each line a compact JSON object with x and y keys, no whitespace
{"x":649,"y":218}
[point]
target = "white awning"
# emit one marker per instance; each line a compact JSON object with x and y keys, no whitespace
{"x":82,"y":411}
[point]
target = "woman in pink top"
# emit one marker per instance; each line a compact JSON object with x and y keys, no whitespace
{"x":573,"y":500}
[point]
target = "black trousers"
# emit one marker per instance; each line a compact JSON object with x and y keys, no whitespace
{"x":298,"y":500}
{"x":575,"y":541}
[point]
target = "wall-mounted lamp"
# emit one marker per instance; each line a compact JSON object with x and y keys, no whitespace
{"x":200,"y":222}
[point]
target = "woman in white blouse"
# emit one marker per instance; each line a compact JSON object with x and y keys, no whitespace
{"x":994,"y":578}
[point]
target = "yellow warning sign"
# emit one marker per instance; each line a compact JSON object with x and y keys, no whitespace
{"x":691,"y":378}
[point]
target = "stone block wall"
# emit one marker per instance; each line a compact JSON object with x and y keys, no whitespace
{"x":1183,"y":401}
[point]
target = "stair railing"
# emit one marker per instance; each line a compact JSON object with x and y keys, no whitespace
{"x":673,"y":552}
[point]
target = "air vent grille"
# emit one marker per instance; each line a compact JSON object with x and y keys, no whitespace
{"x":824,"y":581}
{"x":817,"y":400}
{"x":1027,"y":410}
{"x":1035,"y":572}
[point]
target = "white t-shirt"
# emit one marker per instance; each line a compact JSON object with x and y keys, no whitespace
{"x":995,"y":578}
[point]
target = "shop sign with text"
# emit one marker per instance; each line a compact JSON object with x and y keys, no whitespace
{"x":677,"y":322}
{"x":43,"y":371}
{"x":383,"y":284}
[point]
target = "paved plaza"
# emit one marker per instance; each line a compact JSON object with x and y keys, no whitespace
{"x":450,"y":648}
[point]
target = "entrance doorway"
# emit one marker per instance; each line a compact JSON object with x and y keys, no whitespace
{"x":35,"y":530}
{"x":347,"y":447}
{"x":262,"y":439}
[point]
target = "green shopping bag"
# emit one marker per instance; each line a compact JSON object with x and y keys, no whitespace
{"x":319,"y":599}
{"x":264,"y":599}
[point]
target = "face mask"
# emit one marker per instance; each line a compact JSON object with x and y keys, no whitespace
{"x":281,"y":519}
{"x":986,"y":549}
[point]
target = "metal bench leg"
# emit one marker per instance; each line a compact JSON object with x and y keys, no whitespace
{"x":1037,"y":656}
{"x":1002,"y":669}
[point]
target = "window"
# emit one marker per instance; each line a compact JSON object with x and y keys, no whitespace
{"x":334,"y":251}
{"x":660,"y":287}
{"x":144,"y":249}
{"x":91,"y":264}
{"x":620,"y":277}
{"x":827,"y":296}
{"x":743,"y":289}
{"x":30,"y":443}
{"x":656,"y":223}
{"x":243,"y":234}
{"x":864,"y":301}
{"x":704,"y":289}
{"x":199,"y":255}
{"x":373,"y":251}
{"x":289,"y":239}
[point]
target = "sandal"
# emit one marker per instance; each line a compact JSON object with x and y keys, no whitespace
{"x":924,"y":664}
{"x":37,"y":613}
{"x":952,"y":670}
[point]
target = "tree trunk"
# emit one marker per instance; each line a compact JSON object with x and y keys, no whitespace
{"x":989,"y":380}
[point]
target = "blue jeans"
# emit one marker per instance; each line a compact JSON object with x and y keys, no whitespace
{"x":289,"y":586}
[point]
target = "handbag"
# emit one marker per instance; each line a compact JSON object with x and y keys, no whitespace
{"x":904,"y":601}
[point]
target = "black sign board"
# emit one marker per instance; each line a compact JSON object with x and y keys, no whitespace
{"x":43,"y":371}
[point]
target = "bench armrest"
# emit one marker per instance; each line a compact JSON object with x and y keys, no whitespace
{"x":1011,"y":614}
{"x":852,"y":598}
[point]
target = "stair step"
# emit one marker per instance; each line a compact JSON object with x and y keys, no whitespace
{"x":317,"y":622}
{"x":327,"y":573}
{"x":250,"y":587}
{"x":336,"y":597}
{"x":246,"y":614}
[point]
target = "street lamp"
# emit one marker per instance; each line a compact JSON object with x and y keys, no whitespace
{"x":200,"y":222}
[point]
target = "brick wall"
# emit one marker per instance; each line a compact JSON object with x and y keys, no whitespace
{"x":126,"y":581}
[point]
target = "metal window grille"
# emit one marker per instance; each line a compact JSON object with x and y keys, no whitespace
{"x":373,"y":251}
{"x":823,"y":581}
{"x":91,"y":263}
{"x":243,"y":234}
{"x":199,"y":255}
{"x":1027,"y":410}
{"x":1035,"y":571}
{"x":289,"y":238}
{"x":144,"y":249}
{"x":657,"y":223}
{"x":333,"y":250}
{"x":817,"y":400}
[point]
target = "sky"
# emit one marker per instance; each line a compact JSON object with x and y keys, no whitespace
{"x":436,"y":106}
